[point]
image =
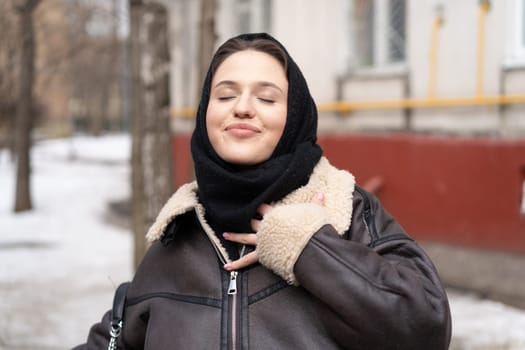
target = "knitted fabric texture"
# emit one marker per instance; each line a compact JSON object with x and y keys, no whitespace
{"x":231,"y":193}
{"x":288,"y":227}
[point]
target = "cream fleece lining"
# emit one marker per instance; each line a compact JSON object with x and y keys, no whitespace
{"x":288,"y":227}
{"x":184,"y":200}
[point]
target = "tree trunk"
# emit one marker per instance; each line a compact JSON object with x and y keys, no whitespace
{"x":151,"y":130}
{"x":138,"y":222}
{"x":207,"y":38}
{"x":157,"y":151}
{"x":24,"y":107}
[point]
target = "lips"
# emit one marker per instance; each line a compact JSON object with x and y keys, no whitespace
{"x":242,"y":129}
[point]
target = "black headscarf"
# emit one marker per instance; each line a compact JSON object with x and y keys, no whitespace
{"x":232,"y":193}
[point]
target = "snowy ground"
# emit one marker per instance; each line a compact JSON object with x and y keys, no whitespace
{"x":59,"y":264}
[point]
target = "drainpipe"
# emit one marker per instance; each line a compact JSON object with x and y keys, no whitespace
{"x":407,"y":112}
{"x":484,"y":6}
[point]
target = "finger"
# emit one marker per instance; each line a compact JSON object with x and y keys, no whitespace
{"x":247,"y":260}
{"x":261,"y":211}
{"x":256,"y":225}
{"x":264,"y":208}
{"x":318,"y":198}
{"x":243,"y":238}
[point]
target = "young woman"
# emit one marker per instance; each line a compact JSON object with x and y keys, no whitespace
{"x":272,"y":247}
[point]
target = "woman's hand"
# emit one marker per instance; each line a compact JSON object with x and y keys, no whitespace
{"x":251,"y":238}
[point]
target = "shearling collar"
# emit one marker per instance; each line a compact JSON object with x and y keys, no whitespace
{"x":337,"y":185}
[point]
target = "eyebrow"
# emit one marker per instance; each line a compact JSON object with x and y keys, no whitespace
{"x":259,"y":83}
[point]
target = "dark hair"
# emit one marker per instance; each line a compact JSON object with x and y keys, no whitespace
{"x":238,"y":44}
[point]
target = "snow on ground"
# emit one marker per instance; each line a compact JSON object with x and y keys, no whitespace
{"x":485,"y":325}
{"x":60,"y":263}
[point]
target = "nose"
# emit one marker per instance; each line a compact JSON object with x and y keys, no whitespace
{"x":244,"y":107}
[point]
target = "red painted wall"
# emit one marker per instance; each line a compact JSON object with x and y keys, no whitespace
{"x":465,"y":191}
{"x":453,"y":190}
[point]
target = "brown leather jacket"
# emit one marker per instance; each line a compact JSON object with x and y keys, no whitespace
{"x":359,"y":284}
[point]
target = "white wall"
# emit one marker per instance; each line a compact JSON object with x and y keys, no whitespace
{"x":457,"y":65}
{"x":309,"y":30}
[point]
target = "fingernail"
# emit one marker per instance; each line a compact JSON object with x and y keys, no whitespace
{"x":226,"y":235}
{"x":227,"y":266}
{"x":320,"y":196}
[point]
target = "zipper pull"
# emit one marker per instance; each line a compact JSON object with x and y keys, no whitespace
{"x":232,"y":288}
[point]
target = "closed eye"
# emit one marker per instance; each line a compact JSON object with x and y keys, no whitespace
{"x":225,"y":98}
{"x":266,"y":100}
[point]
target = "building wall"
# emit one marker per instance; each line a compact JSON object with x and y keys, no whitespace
{"x":184,"y":39}
{"x":457,"y":64}
{"x":318,"y":34}
{"x":457,"y":47}
{"x":463,"y":189}
{"x":310,"y":32}
{"x":513,"y":120}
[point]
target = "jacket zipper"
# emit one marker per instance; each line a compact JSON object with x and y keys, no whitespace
{"x":368,"y":214}
{"x":232,"y":294}
{"x":232,"y":287}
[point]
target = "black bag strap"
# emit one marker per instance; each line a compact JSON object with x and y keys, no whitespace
{"x":117,"y":315}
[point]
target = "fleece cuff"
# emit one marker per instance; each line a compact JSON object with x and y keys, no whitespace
{"x":284,"y":233}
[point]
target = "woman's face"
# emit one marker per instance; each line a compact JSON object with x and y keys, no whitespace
{"x":246,"y":113}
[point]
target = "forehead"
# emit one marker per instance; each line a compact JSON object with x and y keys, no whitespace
{"x":250,"y":64}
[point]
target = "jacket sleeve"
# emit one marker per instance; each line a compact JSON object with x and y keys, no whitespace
{"x":377,"y":289}
{"x":98,"y":337}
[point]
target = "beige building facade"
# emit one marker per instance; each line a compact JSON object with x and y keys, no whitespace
{"x":428,"y":66}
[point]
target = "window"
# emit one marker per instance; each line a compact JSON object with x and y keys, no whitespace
{"x":520,"y":29}
{"x":396,"y":31}
{"x":378,"y":32}
{"x":516,"y":31}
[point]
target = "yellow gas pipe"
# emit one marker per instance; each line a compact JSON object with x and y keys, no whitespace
{"x":484,"y":6}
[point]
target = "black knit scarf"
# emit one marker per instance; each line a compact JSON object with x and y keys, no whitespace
{"x":231,"y":193}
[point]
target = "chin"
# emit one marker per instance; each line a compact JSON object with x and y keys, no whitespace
{"x":244,"y":160}
{"x":247,"y":162}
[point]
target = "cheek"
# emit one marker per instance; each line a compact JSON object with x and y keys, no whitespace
{"x":212,"y":121}
{"x":280,"y":122}
{"x":211,"y":128}
{"x":277,"y":126}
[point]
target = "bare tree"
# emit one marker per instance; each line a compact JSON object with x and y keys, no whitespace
{"x":157,"y":155}
{"x":8,"y":75}
{"x":138,"y":221}
{"x":207,"y":37}
{"x":109,"y":74}
{"x":151,"y":155}
{"x":94,"y":87}
{"x":24,"y":107}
